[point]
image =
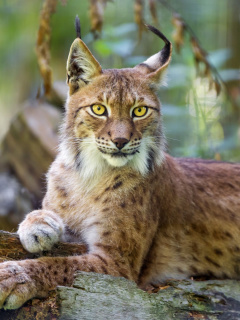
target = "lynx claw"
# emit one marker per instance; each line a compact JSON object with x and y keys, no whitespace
{"x":16,"y":286}
{"x":40,"y":231}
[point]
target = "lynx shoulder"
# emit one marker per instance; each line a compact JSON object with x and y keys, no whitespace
{"x":142,"y":214}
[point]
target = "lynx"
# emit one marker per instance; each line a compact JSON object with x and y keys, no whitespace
{"x":142,"y":214}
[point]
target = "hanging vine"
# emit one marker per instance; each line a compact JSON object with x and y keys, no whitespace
{"x":96,"y":13}
{"x":43,"y":44}
{"x":181,"y":28}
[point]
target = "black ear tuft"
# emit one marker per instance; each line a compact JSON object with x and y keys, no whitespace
{"x":156,"y":64}
{"x":166,"y":51}
{"x":78,"y":27}
{"x":158,"y":33}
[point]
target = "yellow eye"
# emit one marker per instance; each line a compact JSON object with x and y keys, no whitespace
{"x":98,"y":109}
{"x":140,"y":111}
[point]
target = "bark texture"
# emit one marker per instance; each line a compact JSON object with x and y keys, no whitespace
{"x":106,"y":297}
{"x":12,"y":249}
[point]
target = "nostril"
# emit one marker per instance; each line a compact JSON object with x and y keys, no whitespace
{"x":120,"y":142}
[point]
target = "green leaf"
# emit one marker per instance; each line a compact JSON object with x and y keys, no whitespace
{"x":102,"y":48}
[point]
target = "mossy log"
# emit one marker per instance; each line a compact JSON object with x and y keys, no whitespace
{"x":97,"y":296}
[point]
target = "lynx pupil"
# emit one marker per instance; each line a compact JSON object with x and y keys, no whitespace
{"x":139,"y":111}
{"x":98,"y":109}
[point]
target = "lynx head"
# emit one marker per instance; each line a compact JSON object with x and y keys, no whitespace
{"x":113,"y":116}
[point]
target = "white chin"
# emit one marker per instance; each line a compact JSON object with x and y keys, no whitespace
{"x":116,"y":161}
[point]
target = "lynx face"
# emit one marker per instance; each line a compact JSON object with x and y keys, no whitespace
{"x":113,"y":116}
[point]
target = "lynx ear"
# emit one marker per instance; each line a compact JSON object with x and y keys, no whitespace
{"x":82,"y":67}
{"x":156,"y":64}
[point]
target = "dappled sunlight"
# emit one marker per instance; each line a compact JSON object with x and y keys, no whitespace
{"x":205,"y":108}
{"x":203,"y":101}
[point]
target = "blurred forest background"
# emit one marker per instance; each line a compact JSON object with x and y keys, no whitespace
{"x":198,"y":122}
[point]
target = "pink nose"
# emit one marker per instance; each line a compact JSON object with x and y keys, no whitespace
{"x":120,"y":142}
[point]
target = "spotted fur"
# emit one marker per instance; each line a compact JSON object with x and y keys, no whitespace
{"x":142,"y":214}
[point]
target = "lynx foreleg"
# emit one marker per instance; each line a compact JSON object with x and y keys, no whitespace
{"x":23,"y":280}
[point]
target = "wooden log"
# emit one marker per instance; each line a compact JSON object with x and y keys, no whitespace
{"x":12,"y":249}
{"x":103,"y":297}
{"x":30,"y":145}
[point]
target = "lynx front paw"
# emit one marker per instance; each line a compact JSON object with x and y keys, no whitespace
{"x":41,"y":230}
{"x":16,"y":285}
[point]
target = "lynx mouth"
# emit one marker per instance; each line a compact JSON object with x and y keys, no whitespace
{"x":117,"y":159}
{"x":119,"y":154}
